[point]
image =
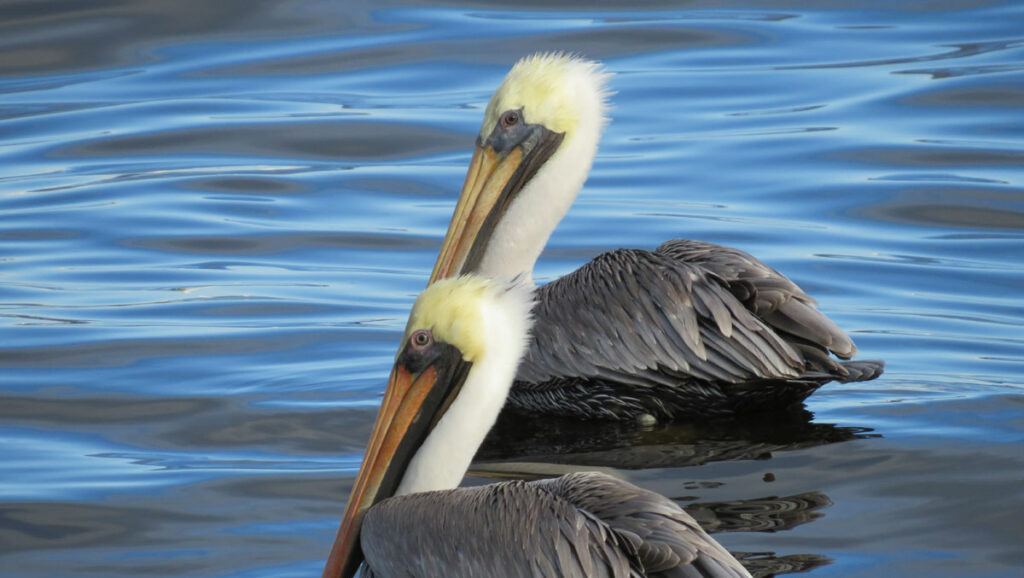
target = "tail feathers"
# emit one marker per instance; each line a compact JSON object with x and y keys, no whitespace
{"x":862,"y":370}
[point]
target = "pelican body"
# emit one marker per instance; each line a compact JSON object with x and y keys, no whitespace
{"x":462,"y":345}
{"x":689,"y":329}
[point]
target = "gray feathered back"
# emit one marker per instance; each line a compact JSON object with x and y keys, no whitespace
{"x":684,"y":322}
{"x":495,"y":530}
{"x":583,"y":525}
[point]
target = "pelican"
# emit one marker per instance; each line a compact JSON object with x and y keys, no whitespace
{"x":689,"y":329}
{"x":462,"y":345}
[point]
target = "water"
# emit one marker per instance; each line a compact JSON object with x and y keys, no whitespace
{"x":215,"y":216}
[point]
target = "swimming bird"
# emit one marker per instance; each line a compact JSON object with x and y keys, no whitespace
{"x":462,"y":345}
{"x":690,"y":329}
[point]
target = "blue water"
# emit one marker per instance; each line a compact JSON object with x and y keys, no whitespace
{"x":214,"y":217}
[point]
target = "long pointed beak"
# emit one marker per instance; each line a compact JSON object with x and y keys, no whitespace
{"x":411,"y":407}
{"x":488,"y":176}
{"x":501,"y":166}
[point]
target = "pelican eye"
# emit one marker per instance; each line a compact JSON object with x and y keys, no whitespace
{"x":510,"y":118}
{"x":421,"y":338}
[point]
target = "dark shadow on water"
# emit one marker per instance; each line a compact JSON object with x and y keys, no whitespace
{"x":768,"y":514}
{"x":629,"y":446}
{"x":523,"y":446}
{"x":764,"y":564}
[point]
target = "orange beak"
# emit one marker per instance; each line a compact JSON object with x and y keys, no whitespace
{"x":413,"y":403}
{"x":377,"y":477}
{"x":486,"y":181}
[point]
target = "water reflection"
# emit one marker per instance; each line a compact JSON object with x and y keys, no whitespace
{"x":768,"y":514}
{"x":948,"y":53}
{"x":335,"y":140}
{"x":764,"y":564}
{"x":530,"y":447}
{"x":55,"y":525}
{"x":943,"y":205}
{"x":525,"y":439}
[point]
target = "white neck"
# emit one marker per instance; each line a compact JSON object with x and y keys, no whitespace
{"x":529,"y":221}
{"x":445,"y":455}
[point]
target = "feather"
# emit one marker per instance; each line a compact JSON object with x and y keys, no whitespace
{"x":580,"y":525}
{"x":690,"y":316}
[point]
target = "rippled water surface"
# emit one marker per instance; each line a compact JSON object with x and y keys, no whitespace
{"x":214,"y":217}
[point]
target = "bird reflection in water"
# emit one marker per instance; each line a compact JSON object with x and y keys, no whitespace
{"x":524,"y":447}
{"x":768,"y":514}
{"x":523,"y":439}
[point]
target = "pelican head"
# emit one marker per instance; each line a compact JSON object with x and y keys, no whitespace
{"x":458,"y":358}
{"x":534,"y":150}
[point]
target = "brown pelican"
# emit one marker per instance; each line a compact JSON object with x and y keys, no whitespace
{"x":689,"y":329}
{"x":463,"y":342}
